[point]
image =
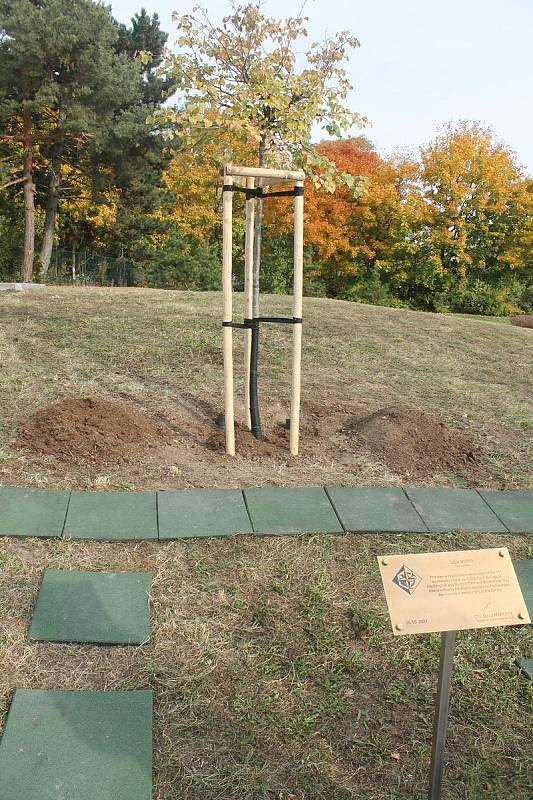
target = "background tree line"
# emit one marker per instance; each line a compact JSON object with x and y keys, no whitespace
{"x":87,"y":164}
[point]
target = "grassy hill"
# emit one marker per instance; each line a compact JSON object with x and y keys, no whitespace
{"x":275,"y":674}
{"x":160,"y":352}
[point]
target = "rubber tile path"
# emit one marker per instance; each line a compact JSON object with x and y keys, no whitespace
{"x":291,"y":511}
{"x":32,"y":512}
{"x":92,"y":607}
{"x":364,"y":510}
{"x":526,"y":665}
{"x":71,"y":745}
{"x":202,"y":512}
{"x":453,"y":509}
{"x":524,"y":573}
{"x":127,"y":516}
{"x":515,"y":509}
{"x":117,"y":516}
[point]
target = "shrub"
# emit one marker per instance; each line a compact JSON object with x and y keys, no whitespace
{"x":372,"y":291}
{"x":473,"y":296}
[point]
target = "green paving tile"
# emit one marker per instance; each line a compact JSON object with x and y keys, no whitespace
{"x":119,"y":516}
{"x":515,"y":509}
{"x":387,"y":510}
{"x":454,"y":509}
{"x":524,"y":573}
{"x":526,"y":665}
{"x":32,"y":512}
{"x":77,"y":746}
{"x":202,"y":512}
{"x":96,"y":607}
{"x":281,"y":510}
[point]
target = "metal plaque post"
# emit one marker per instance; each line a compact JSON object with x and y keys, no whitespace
{"x":442,"y":705}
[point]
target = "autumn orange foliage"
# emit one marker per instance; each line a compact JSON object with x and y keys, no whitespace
{"x":332,"y":220}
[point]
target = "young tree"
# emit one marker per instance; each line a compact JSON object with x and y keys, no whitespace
{"x":244,"y":76}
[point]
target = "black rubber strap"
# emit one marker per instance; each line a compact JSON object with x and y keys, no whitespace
{"x":291,"y":193}
{"x":231,"y":187}
{"x":254,"y":323}
{"x":234,"y":325}
{"x":250,"y":193}
{"x":281,"y":320}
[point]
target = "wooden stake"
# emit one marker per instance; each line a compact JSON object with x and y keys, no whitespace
{"x":227,"y":291}
{"x":263,"y":172}
{"x":297,"y":312}
{"x":248,"y":294}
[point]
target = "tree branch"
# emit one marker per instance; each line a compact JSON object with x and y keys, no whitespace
{"x":12,"y":183}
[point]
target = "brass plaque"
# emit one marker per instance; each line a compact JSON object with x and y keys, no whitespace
{"x":434,"y":592}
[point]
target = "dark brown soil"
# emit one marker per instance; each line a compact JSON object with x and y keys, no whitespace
{"x":246,"y":444}
{"x":275,"y":441}
{"x":413,"y":442}
{"x":91,"y":429}
{"x":98,"y":431}
{"x":523,"y":321}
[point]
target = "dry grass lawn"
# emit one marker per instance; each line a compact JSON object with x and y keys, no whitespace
{"x":275,"y":674}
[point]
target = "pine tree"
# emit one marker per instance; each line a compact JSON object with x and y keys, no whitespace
{"x":65,"y":79}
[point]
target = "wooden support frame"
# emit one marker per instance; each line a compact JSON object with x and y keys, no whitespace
{"x":247,"y":178}
{"x":297,"y":308}
{"x":227,"y":291}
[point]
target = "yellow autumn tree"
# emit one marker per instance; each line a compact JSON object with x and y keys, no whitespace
{"x":478,"y":204}
{"x":194,"y":181}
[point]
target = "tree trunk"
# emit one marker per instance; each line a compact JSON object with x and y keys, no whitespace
{"x":29,"y":200}
{"x":257,"y":235}
{"x":255,"y":417}
{"x":51,"y":211}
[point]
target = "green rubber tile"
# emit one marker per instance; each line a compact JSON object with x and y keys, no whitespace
{"x":524,"y":573}
{"x":77,"y":746}
{"x":454,"y":509}
{"x":387,"y":510}
{"x":93,"y":607}
{"x":515,"y":509}
{"x":285,"y":510}
{"x":32,"y":512}
{"x":202,"y":512}
{"x":526,"y":665}
{"x":119,"y":516}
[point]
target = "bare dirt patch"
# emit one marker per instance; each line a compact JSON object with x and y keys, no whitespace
{"x":523,"y":321}
{"x":91,"y":429}
{"x":103,"y":432}
{"x":275,"y":440}
{"x":416,"y":443}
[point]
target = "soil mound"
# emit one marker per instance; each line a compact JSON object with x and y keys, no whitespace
{"x":523,"y":321}
{"x":91,"y":429}
{"x":413,"y":442}
{"x":246,"y":445}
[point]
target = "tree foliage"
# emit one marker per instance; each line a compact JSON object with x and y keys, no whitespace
{"x":73,"y":96}
{"x":93,"y":157}
{"x":477,"y":200}
{"x":243,"y":76}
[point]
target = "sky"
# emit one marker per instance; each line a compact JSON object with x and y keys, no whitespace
{"x":421,"y":63}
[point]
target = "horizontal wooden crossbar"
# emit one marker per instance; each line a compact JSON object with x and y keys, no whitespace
{"x":277,"y":175}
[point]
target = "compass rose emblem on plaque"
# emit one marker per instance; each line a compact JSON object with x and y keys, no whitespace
{"x":406,"y":579}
